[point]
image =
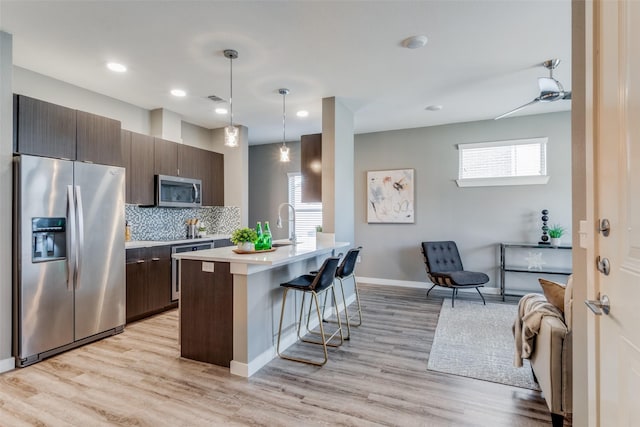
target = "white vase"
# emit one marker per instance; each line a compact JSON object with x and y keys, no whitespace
{"x":245,"y":246}
{"x":555,"y":241}
{"x":325,"y":239}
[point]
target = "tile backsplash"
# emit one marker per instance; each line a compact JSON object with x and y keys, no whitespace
{"x":170,"y":223}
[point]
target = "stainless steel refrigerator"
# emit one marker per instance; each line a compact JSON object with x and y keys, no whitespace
{"x":69,"y":272}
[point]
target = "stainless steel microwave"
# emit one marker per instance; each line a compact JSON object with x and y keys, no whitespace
{"x":178,"y":192}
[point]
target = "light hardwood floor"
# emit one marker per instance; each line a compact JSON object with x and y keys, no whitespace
{"x":379,"y":377}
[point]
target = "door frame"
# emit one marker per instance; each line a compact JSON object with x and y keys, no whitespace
{"x":584,"y":32}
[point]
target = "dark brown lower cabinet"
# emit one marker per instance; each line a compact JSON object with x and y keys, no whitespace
{"x":136,"y":270}
{"x":148,"y":281}
{"x":206,"y":312}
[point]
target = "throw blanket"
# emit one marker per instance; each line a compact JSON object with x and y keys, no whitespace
{"x":531,"y":309}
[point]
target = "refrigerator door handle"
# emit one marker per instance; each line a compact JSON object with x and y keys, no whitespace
{"x":71,"y":246}
{"x":80,"y":251}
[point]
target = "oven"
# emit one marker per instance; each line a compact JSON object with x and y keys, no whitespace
{"x":175,"y":265}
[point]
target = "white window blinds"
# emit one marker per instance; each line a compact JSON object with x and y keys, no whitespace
{"x":308,"y":215}
{"x":512,"y":162}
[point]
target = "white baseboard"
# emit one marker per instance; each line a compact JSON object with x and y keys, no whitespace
{"x":7,"y":364}
{"x":418,"y":285}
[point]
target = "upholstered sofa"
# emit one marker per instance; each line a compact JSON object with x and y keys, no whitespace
{"x":551,"y":353}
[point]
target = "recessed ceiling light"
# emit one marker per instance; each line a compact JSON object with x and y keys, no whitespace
{"x":178,"y":92}
{"x":415,"y":42}
{"x":302,"y":113}
{"x":434,"y":108}
{"x":221,"y":110}
{"x":118,"y":68}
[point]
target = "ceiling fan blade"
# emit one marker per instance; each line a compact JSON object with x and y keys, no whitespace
{"x":517,"y":109}
{"x":567,"y":95}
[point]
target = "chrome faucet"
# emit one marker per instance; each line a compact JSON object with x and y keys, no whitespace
{"x":292,"y":217}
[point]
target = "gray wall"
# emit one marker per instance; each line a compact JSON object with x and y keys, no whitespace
{"x":197,"y":136}
{"x":268,"y":184}
{"x":476,"y":218}
{"x":30,"y":83}
{"x":6,"y":134}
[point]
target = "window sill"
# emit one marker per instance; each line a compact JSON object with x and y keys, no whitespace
{"x":494,"y":182}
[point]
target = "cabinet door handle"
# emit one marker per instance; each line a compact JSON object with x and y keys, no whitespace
{"x":140,"y":261}
{"x":155,"y":259}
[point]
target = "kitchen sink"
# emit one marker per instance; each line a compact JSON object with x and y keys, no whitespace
{"x":283,"y":242}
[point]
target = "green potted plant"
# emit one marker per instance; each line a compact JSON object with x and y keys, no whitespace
{"x":245,"y":238}
{"x":555,"y":232}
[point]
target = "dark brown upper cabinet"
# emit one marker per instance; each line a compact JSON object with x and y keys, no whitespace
{"x":311,"y":167}
{"x":207,"y":166}
{"x":190,"y":161}
{"x":140,"y":174}
{"x":44,"y":129}
{"x":125,"y":144}
{"x":216,"y":160}
{"x":98,"y":140}
{"x":165,"y":157}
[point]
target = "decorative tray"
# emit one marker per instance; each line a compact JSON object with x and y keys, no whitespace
{"x":239,"y":251}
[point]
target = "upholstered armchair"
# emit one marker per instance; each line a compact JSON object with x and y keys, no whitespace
{"x":444,"y":268}
{"x":551,"y":347}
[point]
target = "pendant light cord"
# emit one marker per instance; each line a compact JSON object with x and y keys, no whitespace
{"x":284,"y":115}
{"x":231,"y":91}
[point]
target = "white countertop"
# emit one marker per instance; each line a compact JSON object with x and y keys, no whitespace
{"x":150,"y":243}
{"x":282,"y":254}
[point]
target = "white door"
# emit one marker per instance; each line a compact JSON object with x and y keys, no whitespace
{"x":617,"y":198}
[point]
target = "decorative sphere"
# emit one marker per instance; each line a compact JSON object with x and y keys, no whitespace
{"x":545,"y":211}
{"x":545,"y":228}
{"x":545,"y":218}
{"x":544,"y":237}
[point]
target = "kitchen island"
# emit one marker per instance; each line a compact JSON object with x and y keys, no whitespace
{"x":230,"y":303}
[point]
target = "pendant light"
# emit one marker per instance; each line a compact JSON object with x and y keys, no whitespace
{"x":284,"y":150}
{"x":231,"y":132}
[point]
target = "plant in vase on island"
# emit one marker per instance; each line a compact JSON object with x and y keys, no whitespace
{"x":555,"y":233}
{"x":245,"y":238}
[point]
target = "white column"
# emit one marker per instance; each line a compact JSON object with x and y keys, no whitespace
{"x":236,"y":171}
{"x":338,"y":191}
{"x":166,"y":124}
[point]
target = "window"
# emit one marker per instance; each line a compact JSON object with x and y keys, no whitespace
{"x":514,"y":162}
{"x":308,"y":215}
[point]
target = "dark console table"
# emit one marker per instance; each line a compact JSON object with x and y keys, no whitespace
{"x":505,"y":266}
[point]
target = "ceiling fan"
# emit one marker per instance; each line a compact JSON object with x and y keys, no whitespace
{"x":550,"y":89}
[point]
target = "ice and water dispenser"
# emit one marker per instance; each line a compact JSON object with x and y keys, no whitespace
{"x":48,"y":239}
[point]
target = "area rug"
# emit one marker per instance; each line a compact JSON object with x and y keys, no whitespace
{"x":474,"y":340}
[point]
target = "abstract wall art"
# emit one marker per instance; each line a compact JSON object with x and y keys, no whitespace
{"x":390,"y":196}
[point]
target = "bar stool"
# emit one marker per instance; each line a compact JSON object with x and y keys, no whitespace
{"x":314,"y":285}
{"x":346,"y":271}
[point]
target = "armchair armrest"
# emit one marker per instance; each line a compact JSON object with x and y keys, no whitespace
{"x":552,"y":364}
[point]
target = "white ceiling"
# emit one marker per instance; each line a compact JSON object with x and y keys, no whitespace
{"x":482,"y":58}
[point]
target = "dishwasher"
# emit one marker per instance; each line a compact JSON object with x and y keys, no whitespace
{"x":175,"y":265}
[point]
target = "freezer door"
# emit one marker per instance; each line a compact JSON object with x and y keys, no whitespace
{"x":100,"y":276}
{"x":44,"y":296}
